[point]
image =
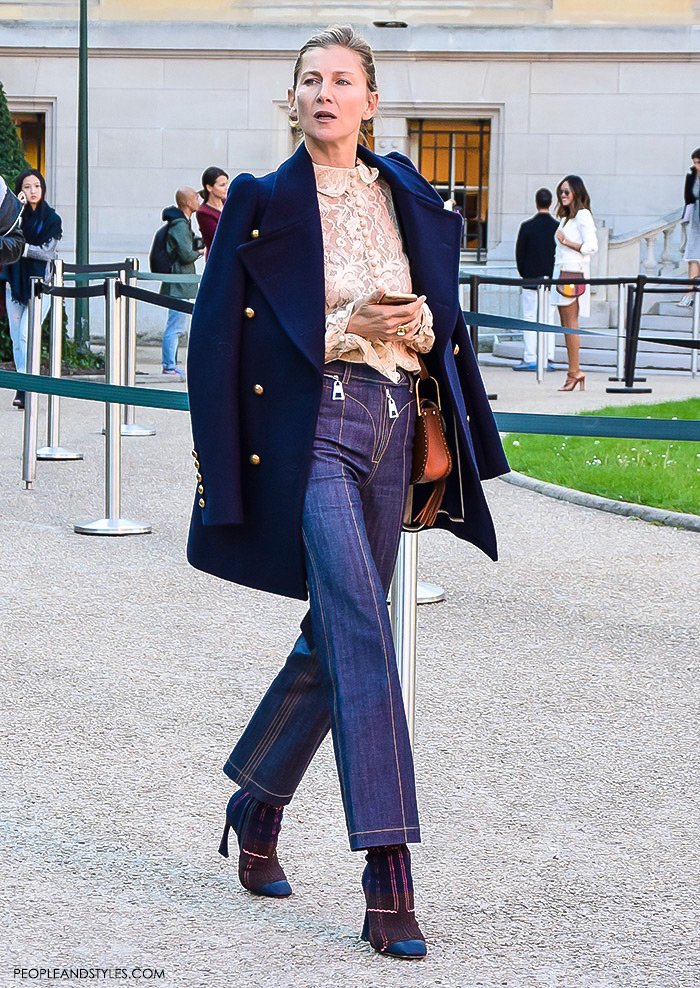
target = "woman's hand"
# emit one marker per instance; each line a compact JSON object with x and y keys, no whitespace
{"x":374,"y":321}
{"x":566,"y":243}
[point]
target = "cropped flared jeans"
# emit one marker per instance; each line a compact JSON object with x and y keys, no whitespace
{"x":342,"y":673}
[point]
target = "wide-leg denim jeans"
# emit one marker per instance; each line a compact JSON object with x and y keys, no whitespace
{"x":342,"y":673}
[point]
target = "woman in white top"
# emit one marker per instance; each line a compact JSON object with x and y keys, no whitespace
{"x":576,"y":241}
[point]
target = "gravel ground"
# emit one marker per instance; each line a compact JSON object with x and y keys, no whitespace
{"x":557,"y":755}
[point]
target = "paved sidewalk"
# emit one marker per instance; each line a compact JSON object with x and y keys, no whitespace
{"x":557,"y":753}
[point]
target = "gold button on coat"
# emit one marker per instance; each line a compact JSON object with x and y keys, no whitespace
{"x":255,"y":234}
{"x":255,"y":459}
{"x":248,"y":312}
{"x":196,"y":464}
{"x":200,"y":489}
{"x":202,"y":502}
{"x":456,"y":350}
{"x":199,"y":478}
{"x":258,"y":389}
{"x":195,"y":453}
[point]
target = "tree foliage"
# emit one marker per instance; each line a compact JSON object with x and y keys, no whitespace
{"x":12,"y":160}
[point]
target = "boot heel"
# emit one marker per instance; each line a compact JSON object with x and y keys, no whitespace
{"x":365,"y":928}
{"x":223,"y":846}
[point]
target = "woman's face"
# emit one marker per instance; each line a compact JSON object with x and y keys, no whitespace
{"x":566,"y":196}
{"x":331,"y":98}
{"x":219,"y":188}
{"x":31,"y":186}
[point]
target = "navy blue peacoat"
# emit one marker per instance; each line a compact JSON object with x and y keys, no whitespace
{"x":255,"y":367}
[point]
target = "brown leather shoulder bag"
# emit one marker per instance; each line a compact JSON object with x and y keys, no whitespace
{"x":432,"y":460}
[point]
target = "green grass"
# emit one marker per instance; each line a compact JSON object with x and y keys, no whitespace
{"x":655,"y":472}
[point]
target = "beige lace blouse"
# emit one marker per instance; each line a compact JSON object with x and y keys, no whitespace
{"x":362,"y":252}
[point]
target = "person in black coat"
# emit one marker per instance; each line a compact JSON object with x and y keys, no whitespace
{"x":302,"y":388}
{"x":11,"y":237}
{"x":534,"y":258}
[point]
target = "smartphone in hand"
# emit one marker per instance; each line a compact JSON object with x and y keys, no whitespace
{"x":396,"y":298}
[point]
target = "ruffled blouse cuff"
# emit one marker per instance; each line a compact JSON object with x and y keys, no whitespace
{"x":423,"y":341}
{"x":339,"y":342}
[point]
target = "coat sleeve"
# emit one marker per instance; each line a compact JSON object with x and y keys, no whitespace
{"x":520,"y":250}
{"x":213,"y":360}
{"x":586,"y":226}
{"x":688,"y":196}
{"x":207,"y":227}
{"x":180,"y":237}
{"x":11,"y":247}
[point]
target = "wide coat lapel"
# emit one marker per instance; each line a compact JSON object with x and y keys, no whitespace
{"x":286,"y":260}
{"x":431,"y":237}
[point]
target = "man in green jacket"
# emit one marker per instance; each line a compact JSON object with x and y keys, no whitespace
{"x":181,"y":248}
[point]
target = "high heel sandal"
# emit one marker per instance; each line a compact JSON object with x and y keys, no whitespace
{"x":257,"y":826}
{"x":390,"y":920}
{"x":572,"y":380}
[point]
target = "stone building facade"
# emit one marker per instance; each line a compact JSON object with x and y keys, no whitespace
{"x":494,"y":99}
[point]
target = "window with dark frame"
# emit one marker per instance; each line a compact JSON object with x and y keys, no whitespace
{"x":453,"y":155}
{"x":32,"y":132}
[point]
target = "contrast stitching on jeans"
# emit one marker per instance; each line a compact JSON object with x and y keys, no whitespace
{"x":369,"y":413}
{"x":248,"y":779}
{"x":326,"y":637}
{"x":385,"y":830}
{"x":276,"y":725}
{"x":384,"y":647}
{"x":376,"y":463}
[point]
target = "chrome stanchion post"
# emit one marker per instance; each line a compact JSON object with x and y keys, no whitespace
{"x":696,"y":330}
{"x":53,"y":449}
{"x":130,"y":427}
{"x":31,"y":398}
{"x":113,"y":523}
{"x":404,"y":594}
{"x":621,"y":332}
{"x":541,"y":338}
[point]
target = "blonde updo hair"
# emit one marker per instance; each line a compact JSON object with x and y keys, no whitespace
{"x":341,"y":36}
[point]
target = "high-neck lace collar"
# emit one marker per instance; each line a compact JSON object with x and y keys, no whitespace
{"x":335,"y":181}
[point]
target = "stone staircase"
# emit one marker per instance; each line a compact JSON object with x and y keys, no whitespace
{"x":662,"y":319}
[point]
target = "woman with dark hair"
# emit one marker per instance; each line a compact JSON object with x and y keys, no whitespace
{"x":691,"y":216}
{"x":302,"y":372}
{"x":576,"y":240}
{"x":213,"y":193}
{"x":42,"y":229}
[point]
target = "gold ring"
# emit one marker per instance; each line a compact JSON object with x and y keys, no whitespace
{"x":401,"y":331}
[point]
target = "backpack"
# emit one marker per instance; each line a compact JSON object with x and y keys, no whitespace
{"x":160,"y":259}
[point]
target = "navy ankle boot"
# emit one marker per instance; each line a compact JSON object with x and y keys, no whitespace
{"x":390,"y":921}
{"x":257,"y":826}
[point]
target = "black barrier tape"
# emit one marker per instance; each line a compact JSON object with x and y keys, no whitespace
{"x":89,"y":291}
{"x":154,"y":298}
{"x":556,"y":425}
{"x":486,"y":321}
{"x":669,"y":341}
{"x":689,"y":290}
